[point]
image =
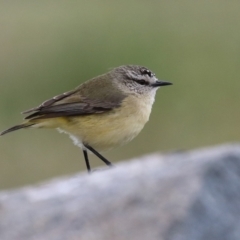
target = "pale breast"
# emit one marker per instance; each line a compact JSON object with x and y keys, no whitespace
{"x":112,"y":129}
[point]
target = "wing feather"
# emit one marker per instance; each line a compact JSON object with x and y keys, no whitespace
{"x":72,"y":109}
{"x":95,"y":96}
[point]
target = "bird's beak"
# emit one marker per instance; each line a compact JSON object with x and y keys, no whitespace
{"x":160,"y":83}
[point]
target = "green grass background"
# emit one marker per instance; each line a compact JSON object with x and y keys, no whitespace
{"x":48,"y":47}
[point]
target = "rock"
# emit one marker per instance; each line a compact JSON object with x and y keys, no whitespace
{"x":180,"y":196}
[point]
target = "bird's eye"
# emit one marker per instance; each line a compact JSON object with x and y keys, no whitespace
{"x":142,"y":82}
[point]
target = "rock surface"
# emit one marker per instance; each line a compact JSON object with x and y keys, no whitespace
{"x":180,"y":196}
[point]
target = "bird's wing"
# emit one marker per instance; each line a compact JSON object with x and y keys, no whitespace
{"x":50,"y":101}
{"x":73,"y":103}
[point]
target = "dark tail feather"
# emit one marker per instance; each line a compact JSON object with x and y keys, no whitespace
{"x":24,"y":125}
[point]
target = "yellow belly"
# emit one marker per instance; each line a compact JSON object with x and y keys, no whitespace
{"x":106,"y":130}
{"x":111,"y":129}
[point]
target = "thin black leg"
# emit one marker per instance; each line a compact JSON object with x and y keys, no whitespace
{"x":98,"y":155}
{"x":87,"y":160}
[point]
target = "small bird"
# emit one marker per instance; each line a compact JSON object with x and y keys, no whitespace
{"x":104,"y":112}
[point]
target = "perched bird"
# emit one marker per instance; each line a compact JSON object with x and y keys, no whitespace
{"x":102,"y":113}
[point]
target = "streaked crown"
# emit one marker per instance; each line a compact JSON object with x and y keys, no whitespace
{"x":138,"y":78}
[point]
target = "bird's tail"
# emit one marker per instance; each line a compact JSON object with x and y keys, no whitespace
{"x":14,"y":128}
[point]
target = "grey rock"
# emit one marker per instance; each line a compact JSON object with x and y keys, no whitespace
{"x":188,"y":195}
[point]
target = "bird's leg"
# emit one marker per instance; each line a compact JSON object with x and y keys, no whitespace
{"x":87,"y":160}
{"x":98,"y":155}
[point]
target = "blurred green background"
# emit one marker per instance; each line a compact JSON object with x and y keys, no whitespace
{"x":48,"y":47}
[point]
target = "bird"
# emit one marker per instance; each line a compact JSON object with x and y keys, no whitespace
{"x":102,"y":113}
